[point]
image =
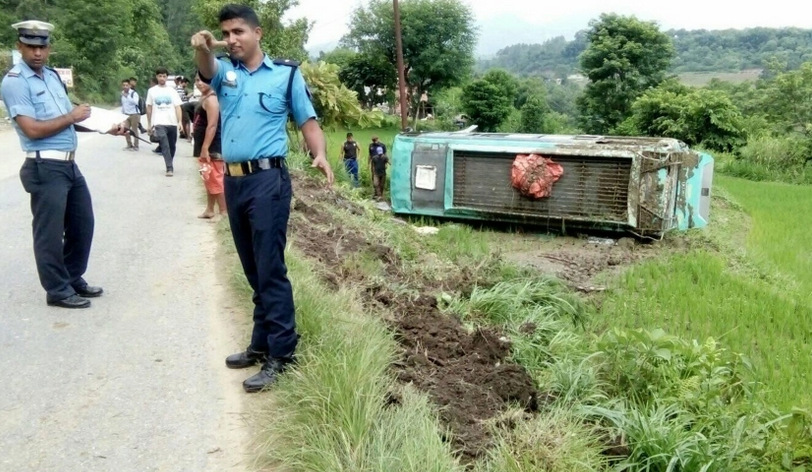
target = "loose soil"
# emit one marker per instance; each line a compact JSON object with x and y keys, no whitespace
{"x":467,"y":374}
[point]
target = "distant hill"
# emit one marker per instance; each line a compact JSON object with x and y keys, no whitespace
{"x":697,"y":51}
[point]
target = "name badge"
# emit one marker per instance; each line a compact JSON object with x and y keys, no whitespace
{"x":230,"y":79}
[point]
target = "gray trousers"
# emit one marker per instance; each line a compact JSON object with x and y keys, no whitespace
{"x":168,"y":139}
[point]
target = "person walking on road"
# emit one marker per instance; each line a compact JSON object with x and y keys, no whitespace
{"x":164,"y":117}
{"x":129,"y":107}
{"x":43,"y":117}
{"x":208,"y":148}
{"x":256,"y":93}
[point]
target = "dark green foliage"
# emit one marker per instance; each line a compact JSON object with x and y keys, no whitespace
{"x":534,"y":112}
{"x":486,"y":104}
{"x":698,"y":117}
{"x":105,"y":42}
{"x":438,"y":41}
{"x":696,"y":51}
{"x":625,"y":57}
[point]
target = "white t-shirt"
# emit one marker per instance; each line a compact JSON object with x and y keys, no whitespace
{"x":163,"y":100}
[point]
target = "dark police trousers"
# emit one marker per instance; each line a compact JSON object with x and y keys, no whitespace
{"x":63,"y":224}
{"x":258,"y":211}
{"x":168,"y":139}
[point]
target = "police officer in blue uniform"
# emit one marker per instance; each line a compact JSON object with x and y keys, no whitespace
{"x":43,"y":117}
{"x":256,"y":94}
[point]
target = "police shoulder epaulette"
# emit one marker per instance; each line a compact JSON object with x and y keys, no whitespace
{"x":286,"y":62}
{"x":14,"y":72}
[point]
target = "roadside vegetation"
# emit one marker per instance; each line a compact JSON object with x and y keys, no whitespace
{"x":439,"y":352}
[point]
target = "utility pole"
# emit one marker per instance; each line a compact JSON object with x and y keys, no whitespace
{"x":404,"y":111}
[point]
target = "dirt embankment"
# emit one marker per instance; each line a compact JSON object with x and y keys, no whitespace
{"x":467,"y":374}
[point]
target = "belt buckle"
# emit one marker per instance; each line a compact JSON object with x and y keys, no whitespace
{"x":235,"y":169}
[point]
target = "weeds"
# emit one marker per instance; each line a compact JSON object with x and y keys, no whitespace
{"x":553,"y":441}
{"x":617,"y":393}
{"x":330,"y":412}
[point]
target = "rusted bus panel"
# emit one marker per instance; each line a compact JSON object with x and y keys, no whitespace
{"x":592,"y":188}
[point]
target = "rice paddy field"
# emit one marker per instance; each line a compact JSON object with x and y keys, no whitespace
{"x":751,"y":288}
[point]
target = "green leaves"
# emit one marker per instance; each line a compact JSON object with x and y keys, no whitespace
{"x":335,"y":104}
{"x":696,"y":116}
{"x":486,"y":104}
{"x":438,"y":42}
{"x":625,"y":57}
{"x":534,"y":113}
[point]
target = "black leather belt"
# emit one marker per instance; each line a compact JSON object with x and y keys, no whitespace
{"x":240,"y":169}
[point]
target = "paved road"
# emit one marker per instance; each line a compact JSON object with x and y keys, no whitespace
{"x":136,"y":382}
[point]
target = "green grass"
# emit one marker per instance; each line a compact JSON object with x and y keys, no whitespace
{"x":762,"y":308}
{"x":677,"y":403}
{"x":335,"y":139}
{"x":329,"y":413}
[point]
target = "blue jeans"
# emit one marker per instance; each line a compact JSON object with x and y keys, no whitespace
{"x":352,"y":168}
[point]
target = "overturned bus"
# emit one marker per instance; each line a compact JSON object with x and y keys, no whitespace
{"x":645,"y":186}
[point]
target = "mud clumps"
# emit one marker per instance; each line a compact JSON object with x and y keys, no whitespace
{"x":466,"y":374}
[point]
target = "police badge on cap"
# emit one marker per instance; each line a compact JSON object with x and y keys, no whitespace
{"x":33,"y":32}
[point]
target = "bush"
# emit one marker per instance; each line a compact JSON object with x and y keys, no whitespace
{"x":772,"y":159}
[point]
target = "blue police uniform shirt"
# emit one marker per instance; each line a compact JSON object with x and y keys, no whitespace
{"x":248,"y":130}
{"x":42,"y":98}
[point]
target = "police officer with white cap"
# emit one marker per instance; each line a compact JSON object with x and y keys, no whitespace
{"x":43,"y":117}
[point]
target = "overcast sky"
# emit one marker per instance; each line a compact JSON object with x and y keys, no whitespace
{"x":567,"y":16}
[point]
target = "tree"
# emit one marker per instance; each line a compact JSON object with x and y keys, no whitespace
{"x":529,"y":87}
{"x":485,"y":103}
{"x":284,"y":40}
{"x":90,"y":35}
{"x":695,"y":116}
{"x":534,"y":111}
{"x":335,"y":104}
{"x":787,"y":97}
{"x":181,"y":23}
{"x":438,"y":41}
{"x":339,"y":56}
{"x":141,"y":59}
{"x":506,"y":83}
{"x":371,"y":77}
{"x":624,"y":58}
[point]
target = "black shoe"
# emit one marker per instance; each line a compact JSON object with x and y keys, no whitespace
{"x":73,"y":301}
{"x":244,"y":359}
{"x":89,"y":292}
{"x":267,"y":376}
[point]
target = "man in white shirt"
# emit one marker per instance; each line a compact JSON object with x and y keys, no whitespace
{"x":164,"y":116}
{"x":129,"y":107}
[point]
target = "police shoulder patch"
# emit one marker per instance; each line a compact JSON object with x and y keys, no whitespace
{"x":14,"y":72}
{"x":286,"y":62}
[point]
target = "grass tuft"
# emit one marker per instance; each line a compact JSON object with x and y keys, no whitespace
{"x":330,"y":412}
